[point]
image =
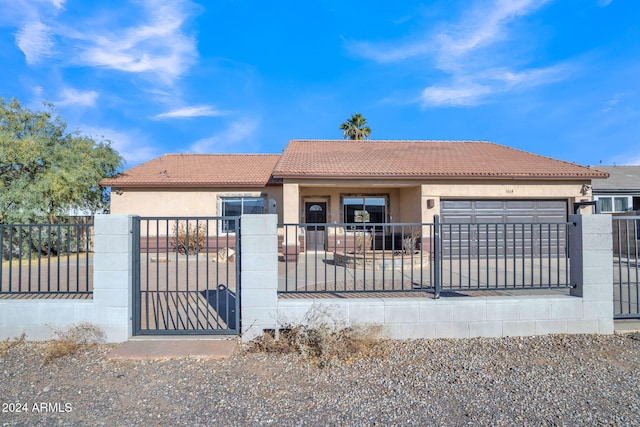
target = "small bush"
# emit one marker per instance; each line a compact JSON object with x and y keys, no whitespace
{"x":321,"y":344}
{"x":8,"y":344}
{"x":189,"y":239}
{"x":69,"y":341}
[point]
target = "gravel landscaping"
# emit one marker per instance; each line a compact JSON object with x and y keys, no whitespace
{"x":551,"y":380}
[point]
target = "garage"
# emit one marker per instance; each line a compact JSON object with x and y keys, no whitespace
{"x":503,"y":227}
{"x":502,"y":211}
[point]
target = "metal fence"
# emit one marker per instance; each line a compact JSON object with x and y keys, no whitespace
{"x":39,"y":259}
{"x":356,"y":258}
{"x":434,"y":257}
{"x":626,"y":267}
{"x":186,"y":275}
{"x":505,"y":256}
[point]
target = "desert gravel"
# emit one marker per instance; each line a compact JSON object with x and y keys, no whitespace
{"x":551,"y":380}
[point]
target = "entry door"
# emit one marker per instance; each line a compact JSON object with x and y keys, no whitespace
{"x":315,"y":213}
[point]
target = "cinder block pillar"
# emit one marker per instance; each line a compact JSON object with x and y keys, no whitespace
{"x":112,"y":274}
{"x":259,"y":274}
{"x":591,"y":267}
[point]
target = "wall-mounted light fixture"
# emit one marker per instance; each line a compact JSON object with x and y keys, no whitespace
{"x":431,"y":203}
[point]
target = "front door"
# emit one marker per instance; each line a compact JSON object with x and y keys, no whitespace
{"x":315,"y":213}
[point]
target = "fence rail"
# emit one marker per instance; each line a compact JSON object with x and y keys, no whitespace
{"x":400,"y":257}
{"x":626,"y":283}
{"x":46,"y":259}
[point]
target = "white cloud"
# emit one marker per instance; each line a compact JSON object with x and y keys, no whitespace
{"x":456,"y":95}
{"x":484,"y":25}
{"x":474,"y":53}
{"x":193,"y":111}
{"x":35,"y":40}
{"x":229,"y":140}
{"x":157,"y":45}
{"x":75,"y":97}
{"x":58,"y":4}
{"x":131,"y":146}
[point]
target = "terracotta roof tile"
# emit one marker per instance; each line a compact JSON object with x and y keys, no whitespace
{"x":194,"y":170}
{"x":416,"y":159}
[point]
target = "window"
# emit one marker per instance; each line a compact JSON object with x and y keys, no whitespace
{"x":364,"y":209}
{"x":613,"y":204}
{"x":237,"y":206}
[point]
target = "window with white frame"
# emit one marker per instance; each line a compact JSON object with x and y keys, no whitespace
{"x":612,"y":204}
{"x":237,"y":206}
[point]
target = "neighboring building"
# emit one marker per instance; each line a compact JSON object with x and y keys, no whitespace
{"x":620,"y":192}
{"x":339,"y":181}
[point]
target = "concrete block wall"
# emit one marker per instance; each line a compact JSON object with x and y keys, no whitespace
{"x":588,"y":309}
{"x":110,"y":308}
{"x":259,"y":274}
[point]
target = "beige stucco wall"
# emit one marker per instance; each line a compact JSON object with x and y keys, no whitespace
{"x":408,"y":199}
{"x":185,"y":201}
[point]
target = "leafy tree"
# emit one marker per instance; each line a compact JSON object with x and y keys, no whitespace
{"x":356,"y":128}
{"x":46,"y":171}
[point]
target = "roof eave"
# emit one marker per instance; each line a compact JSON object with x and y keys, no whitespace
{"x":437,"y":176}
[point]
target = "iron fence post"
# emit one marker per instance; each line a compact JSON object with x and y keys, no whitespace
{"x":135,"y":277}
{"x":437,"y":256}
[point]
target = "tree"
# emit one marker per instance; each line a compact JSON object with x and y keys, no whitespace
{"x":356,"y":128}
{"x":45,"y":171}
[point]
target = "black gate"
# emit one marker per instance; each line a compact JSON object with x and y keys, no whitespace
{"x":186,"y":275}
{"x":626,"y":267}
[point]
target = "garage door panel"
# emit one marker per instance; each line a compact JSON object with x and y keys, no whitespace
{"x":518,"y":237}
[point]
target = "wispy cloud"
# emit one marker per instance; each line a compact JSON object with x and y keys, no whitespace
{"x":35,"y":40}
{"x":235,"y":138}
{"x":192,"y":111}
{"x":131,"y":146}
{"x":473,"y":52}
{"x":73,"y":97}
{"x":604,"y":3}
{"x":156,"y":43}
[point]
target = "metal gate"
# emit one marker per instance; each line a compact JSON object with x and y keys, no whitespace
{"x":626,"y":232}
{"x":186,"y":275}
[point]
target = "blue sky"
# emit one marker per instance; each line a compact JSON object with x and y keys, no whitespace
{"x":558,"y":78}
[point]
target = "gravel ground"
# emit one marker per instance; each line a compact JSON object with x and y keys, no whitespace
{"x":552,"y":380}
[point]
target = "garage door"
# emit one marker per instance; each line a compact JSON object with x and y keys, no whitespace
{"x":495,"y":226}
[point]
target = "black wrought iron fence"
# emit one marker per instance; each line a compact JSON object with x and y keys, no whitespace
{"x":401,"y":257}
{"x":46,"y":259}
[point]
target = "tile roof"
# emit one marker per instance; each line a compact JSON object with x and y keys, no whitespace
{"x":417,"y":159}
{"x":195,"y":170}
{"x":621,"y":178}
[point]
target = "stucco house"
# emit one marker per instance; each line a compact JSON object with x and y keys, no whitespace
{"x":336,"y":181}
{"x":620,"y":192}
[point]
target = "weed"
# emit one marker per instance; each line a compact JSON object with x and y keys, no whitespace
{"x":324,"y":343}
{"x":8,"y":344}
{"x":69,"y":341}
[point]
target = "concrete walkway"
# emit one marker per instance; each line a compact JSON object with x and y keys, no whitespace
{"x":163,"y":348}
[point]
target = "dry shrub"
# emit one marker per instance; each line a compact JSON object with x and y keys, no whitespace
{"x":323,"y":343}
{"x":191,"y":239}
{"x":8,"y":344}
{"x":69,"y":341}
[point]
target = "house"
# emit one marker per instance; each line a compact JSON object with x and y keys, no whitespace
{"x":620,"y":192}
{"x":336,"y":181}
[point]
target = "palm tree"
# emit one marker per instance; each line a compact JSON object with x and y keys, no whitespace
{"x":356,"y":128}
